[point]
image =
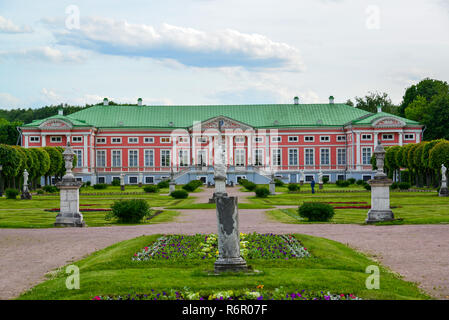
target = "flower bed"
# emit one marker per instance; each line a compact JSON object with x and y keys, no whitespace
{"x":252,"y":246}
{"x":244,"y":294}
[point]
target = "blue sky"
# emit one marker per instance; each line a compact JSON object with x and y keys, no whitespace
{"x":217,"y":51}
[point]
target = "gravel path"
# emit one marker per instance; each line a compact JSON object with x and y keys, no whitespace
{"x":418,"y":252}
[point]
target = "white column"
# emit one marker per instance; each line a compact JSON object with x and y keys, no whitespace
{"x":25,"y":140}
{"x":93,"y":159}
{"x":376,"y":137}
{"x":418,"y":137}
{"x":211,"y":142}
{"x":401,"y":141}
{"x":44,"y":138}
{"x":85,"y":152}
{"x":358,"y":157}
{"x":231,"y":149}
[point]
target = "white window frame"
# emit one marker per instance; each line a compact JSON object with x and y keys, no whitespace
{"x":79,"y":138}
{"x":341,"y":138}
{"x":163,"y":164}
{"x":184,"y":153}
{"x":388,"y":134}
{"x":240,"y":153}
{"x":102,"y":177}
{"x":329,"y":156}
{"x":183,"y":139}
{"x":325,"y":138}
{"x":305,"y":157}
{"x":293,"y":139}
{"x":367,"y":137}
{"x":101,"y":140}
{"x":37,"y":139}
{"x":296,"y":158}
{"x":368,"y":162}
{"x":147,"y":177}
{"x":276,"y":154}
{"x":307,"y":138}
{"x":148,"y":139}
{"x":52,"y":139}
{"x":258,"y":139}
{"x":201,"y":140}
{"x":276,"y":139}
{"x":151,"y":151}
{"x":338,"y":158}
{"x":79,"y":158}
{"x":411,"y":136}
{"x":105,"y":158}
{"x":255,"y":158}
{"x":133,"y":140}
{"x":240,"y":139}
{"x":112,"y":158}
{"x":129,"y":158}
{"x":119,"y":140}
{"x":129,"y":180}
{"x":198,"y":157}
{"x":162,"y":138}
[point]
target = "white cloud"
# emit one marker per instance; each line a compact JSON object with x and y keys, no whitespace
{"x":188,"y":46}
{"x":7,"y":26}
{"x":46,"y":53}
{"x":8,"y":101}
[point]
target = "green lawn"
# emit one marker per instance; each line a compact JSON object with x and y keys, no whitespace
{"x":333,"y":267}
{"x":412,"y":207}
{"x":31,"y":214}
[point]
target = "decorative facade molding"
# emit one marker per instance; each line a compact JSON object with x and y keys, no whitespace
{"x":53,"y":124}
{"x":388,"y":122}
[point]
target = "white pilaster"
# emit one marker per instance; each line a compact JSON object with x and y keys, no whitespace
{"x":401,"y":140}
{"x":85,"y":152}
{"x":358,"y":155}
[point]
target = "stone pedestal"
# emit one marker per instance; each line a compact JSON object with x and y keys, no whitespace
{"x":69,"y":214}
{"x":229,"y":258}
{"x":320,"y":186}
{"x":26,"y":195}
{"x":380,"y":201}
{"x":444,"y":192}
{"x":272,"y":187}
{"x":301,"y":182}
{"x":122,"y":182}
{"x":171,"y":186}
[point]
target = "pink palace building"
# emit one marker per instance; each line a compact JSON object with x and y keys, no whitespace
{"x":290,"y":141}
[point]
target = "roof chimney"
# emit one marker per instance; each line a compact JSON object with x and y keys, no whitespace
{"x":60,"y":111}
{"x":331,"y":100}
{"x":296,"y":100}
{"x":379,"y":108}
{"x":105,"y":101}
{"x":139,"y":101}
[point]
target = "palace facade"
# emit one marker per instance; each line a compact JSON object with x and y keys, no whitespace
{"x":292,"y":141}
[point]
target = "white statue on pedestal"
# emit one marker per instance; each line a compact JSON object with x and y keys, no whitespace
{"x":443,"y":173}
{"x":320,"y":177}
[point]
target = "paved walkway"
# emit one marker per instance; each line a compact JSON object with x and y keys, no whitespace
{"x":418,"y":252}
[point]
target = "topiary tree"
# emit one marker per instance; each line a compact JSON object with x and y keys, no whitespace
{"x":418,"y":162}
{"x":11,"y":161}
{"x":411,"y":163}
{"x":439,"y":155}
{"x":44,"y":162}
{"x":390,"y":160}
{"x":56,"y":162}
{"x":430,"y":173}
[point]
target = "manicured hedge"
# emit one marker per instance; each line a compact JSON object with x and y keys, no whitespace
{"x":100,"y":186}
{"x":179,"y":194}
{"x":316,"y":211}
{"x":293,"y":187}
{"x":130,"y":211}
{"x":151,"y":189}
{"x":262,"y":192}
{"x":11,"y":193}
{"x":163,"y":184}
{"x":192,"y":185}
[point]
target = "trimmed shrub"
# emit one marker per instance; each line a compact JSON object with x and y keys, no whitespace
{"x":404,"y":185}
{"x":343,"y":183}
{"x":262,"y":192}
{"x":163,"y":184}
{"x":115,"y":182}
{"x":243,"y":181}
{"x":367,"y":186}
{"x":250,"y":186}
{"x":278,"y":183}
{"x":11,"y":193}
{"x":192,"y":185}
{"x":50,"y":189}
{"x":179,"y":194}
{"x":293,"y":187}
{"x":130,"y":211}
{"x":316,"y":211}
{"x":151,"y":188}
{"x":325,"y":180}
{"x":40,"y":191}
{"x":394,"y":185}
{"x":100,"y":186}
{"x":360,"y":182}
{"x":405,"y":176}
{"x":351,"y":180}
{"x":88,"y":183}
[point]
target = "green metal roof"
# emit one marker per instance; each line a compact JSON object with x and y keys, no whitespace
{"x":369,"y":119}
{"x":258,"y":116}
{"x":75,"y":122}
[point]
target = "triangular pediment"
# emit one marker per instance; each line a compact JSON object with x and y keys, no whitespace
{"x":387,"y":122}
{"x":226,"y":123}
{"x":52,"y":124}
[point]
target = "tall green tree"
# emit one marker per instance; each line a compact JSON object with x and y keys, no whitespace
{"x":373,"y":100}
